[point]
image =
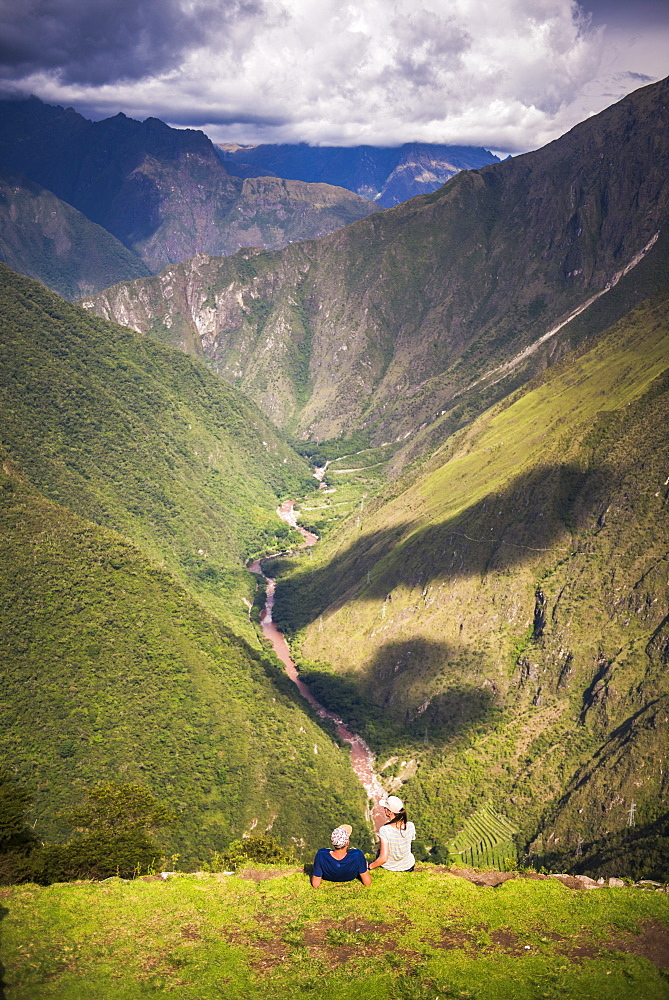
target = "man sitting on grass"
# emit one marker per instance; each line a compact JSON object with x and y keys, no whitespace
{"x":341,"y":864}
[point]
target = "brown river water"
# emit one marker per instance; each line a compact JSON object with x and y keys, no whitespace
{"x":362,"y":759}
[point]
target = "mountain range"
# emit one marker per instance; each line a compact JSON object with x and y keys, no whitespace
{"x":433,"y":309}
{"x":490,"y":362}
{"x":386,"y":175}
{"x":49,"y":240}
{"x":162,"y":192}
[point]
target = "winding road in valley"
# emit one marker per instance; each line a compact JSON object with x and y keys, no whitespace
{"x":362,"y":759}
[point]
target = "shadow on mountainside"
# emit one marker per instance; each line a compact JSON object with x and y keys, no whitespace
{"x":384,"y":703}
{"x":535,"y":513}
{"x":636,"y":852}
{"x":3,"y":985}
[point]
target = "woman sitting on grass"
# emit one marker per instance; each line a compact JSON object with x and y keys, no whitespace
{"x":340,"y":864}
{"x":395,"y":838}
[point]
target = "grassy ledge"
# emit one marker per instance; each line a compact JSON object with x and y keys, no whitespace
{"x":266,"y":933}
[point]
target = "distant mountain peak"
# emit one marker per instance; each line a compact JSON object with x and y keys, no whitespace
{"x":384,"y":174}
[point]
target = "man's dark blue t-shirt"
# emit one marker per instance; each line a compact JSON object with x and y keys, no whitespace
{"x":327,"y":867}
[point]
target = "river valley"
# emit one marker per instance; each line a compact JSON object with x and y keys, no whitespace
{"x":362,"y":759}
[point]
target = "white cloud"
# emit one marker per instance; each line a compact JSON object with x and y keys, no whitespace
{"x":511,"y":74}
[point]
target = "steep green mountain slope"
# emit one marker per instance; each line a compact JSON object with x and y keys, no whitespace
{"x":45,"y":238}
{"x":443,"y":304}
{"x":162,"y":192}
{"x":112,"y":671}
{"x":141,"y":439}
{"x":503,"y":619}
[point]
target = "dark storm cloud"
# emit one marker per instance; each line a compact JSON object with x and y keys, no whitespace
{"x":199,"y":119}
{"x":99,"y":42}
{"x":510,"y":74}
{"x":641,"y":12}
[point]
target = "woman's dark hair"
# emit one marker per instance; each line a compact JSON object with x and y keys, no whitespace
{"x":401,"y":816}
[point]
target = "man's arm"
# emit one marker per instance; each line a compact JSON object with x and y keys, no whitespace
{"x":317,"y":873}
{"x":365,"y":878}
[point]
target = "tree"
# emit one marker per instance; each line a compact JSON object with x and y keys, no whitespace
{"x":15,"y":834}
{"x":115,"y":808}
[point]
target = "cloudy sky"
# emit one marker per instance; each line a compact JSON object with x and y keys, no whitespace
{"x":507,"y":74}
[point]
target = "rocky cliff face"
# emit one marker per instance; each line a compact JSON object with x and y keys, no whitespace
{"x":45,"y":238}
{"x":162,"y":192}
{"x":441,"y":304}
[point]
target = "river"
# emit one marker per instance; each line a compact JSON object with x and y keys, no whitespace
{"x":362,"y":759}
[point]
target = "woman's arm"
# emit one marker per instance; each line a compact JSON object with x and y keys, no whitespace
{"x":383,"y":855}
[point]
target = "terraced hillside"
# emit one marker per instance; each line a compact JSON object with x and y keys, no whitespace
{"x":486,"y":841}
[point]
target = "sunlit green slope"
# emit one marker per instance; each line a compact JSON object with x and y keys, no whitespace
{"x":138,"y":438}
{"x":112,"y":671}
{"x":506,"y":614}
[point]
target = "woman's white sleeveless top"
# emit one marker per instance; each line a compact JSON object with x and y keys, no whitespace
{"x":400,"y":858}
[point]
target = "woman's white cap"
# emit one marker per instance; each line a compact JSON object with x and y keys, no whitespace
{"x":393,"y":803}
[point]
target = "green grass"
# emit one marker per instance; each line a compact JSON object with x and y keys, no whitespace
{"x":229,"y":937}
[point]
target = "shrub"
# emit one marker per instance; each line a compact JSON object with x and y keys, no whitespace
{"x":261,"y":849}
{"x":95,"y":857}
{"x":15,"y":834}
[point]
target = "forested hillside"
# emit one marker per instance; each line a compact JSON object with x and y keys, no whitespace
{"x":141,"y":439}
{"x":134,"y":484}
